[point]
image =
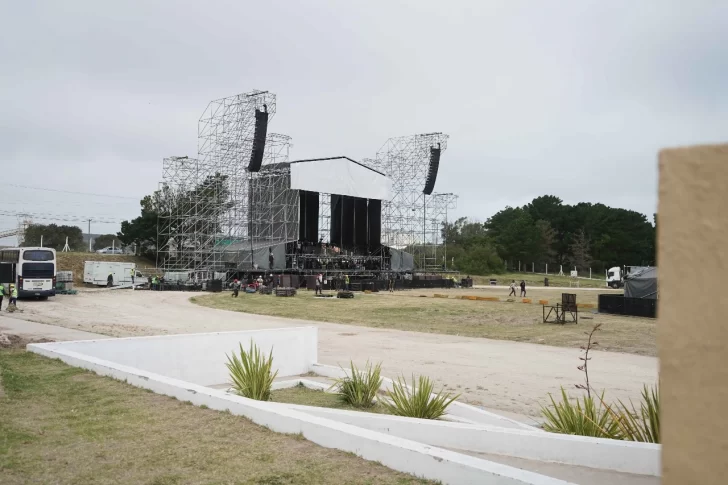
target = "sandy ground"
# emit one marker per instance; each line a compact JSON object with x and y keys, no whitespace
{"x":501,"y":375}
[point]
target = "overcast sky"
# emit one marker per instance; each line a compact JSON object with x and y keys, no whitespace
{"x":569,"y":97}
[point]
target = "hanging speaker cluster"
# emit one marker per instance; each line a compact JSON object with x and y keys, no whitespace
{"x":261,"y":130}
{"x":432,"y":170}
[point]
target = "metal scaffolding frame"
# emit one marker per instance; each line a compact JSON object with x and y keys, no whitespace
{"x":412,"y":220}
{"x":215,"y":215}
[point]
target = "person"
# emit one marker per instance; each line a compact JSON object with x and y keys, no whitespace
{"x":236,"y":288}
{"x":13,"y":295}
{"x":319,"y":281}
{"x":155,"y":283}
{"x":2,"y":293}
{"x":513,"y":288}
{"x":391,"y":283}
{"x":133,"y":271}
{"x":523,"y":288}
{"x":346,"y":282}
{"x":110,"y":280}
{"x":270,"y":258}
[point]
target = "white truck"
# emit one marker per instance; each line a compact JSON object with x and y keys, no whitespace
{"x":615,"y":277}
{"x":107,"y":273}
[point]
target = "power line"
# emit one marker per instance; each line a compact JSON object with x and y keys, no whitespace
{"x":60,"y":217}
{"x":71,"y":192}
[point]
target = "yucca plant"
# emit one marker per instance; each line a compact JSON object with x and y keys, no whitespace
{"x":584,"y":417}
{"x":418,"y":400}
{"x":251,"y":373}
{"x":360,"y":388}
{"x":642,"y":425}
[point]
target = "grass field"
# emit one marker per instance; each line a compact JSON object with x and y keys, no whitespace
{"x":61,"y":424}
{"x":310,"y":397}
{"x":535,"y":279}
{"x":408,"y":310}
{"x":75,"y":262}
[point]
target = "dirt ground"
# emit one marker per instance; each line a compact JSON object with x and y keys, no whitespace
{"x":502,"y":320}
{"x":501,"y":375}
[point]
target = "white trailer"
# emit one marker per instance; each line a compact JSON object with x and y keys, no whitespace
{"x":108,"y":273}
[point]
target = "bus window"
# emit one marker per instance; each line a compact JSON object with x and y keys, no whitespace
{"x":38,"y":255}
{"x":9,"y":256}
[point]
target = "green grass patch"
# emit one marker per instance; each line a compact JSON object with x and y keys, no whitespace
{"x":312,"y":397}
{"x":60,"y":424}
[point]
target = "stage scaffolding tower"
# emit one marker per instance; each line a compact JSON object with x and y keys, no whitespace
{"x":411,"y":220}
{"x":213,"y":212}
{"x":215,"y":215}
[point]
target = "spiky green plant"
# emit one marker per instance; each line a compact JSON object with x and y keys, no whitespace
{"x":251,"y":373}
{"x":584,"y":417}
{"x":417,"y":401}
{"x":642,"y":425}
{"x":360,"y":388}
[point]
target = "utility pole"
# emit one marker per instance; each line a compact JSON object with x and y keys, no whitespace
{"x":424,"y":229}
{"x":89,"y":236}
{"x":444,"y":239}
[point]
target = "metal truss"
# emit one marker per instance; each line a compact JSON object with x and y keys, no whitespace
{"x":412,"y":220}
{"x":213,"y":213}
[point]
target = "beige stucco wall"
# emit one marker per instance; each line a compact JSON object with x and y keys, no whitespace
{"x":693,"y":314}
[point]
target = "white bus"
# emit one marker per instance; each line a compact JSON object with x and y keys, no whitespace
{"x":32,"y":270}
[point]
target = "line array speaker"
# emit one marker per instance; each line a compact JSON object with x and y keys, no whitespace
{"x":432,"y":170}
{"x":261,"y":131}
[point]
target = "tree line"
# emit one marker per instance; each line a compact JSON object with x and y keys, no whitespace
{"x":547,"y":231}
{"x":54,"y":236}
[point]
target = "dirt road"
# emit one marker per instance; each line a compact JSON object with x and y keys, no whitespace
{"x":501,"y":375}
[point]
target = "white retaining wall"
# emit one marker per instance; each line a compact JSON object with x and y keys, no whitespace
{"x":200,"y":358}
{"x":396,"y":453}
{"x":604,"y":454}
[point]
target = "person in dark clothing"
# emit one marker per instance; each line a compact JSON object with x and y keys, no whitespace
{"x":523,"y":288}
{"x":319,"y":283}
{"x":270,"y":258}
{"x":236,"y":288}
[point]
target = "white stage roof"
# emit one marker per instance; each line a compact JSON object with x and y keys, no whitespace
{"x":342,"y":176}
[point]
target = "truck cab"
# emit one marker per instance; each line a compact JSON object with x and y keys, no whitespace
{"x":615,"y":278}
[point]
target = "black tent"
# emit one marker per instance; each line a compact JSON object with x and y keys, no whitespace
{"x":641,"y":283}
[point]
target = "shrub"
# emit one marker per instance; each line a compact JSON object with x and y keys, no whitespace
{"x":642,"y":425}
{"x":417,"y":401}
{"x":584,"y":417}
{"x":360,"y":388}
{"x":251,"y":373}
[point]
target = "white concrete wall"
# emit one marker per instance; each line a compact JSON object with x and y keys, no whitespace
{"x":396,"y":453}
{"x":604,"y":454}
{"x":201,"y":358}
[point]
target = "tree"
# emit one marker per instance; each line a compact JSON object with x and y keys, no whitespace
{"x":547,"y":241}
{"x":179,"y":212}
{"x":516,"y":236}
{"x":54,"y":236}
{"x":580,"y":251}
{"x":106,"y":240}
{"x":142,"y":231}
